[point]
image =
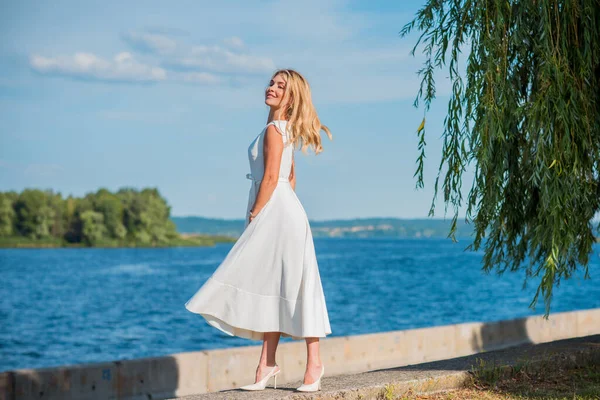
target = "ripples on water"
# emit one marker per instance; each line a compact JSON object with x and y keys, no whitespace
{"x":70,"y":306}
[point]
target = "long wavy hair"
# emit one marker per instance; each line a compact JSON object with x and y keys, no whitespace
{"x":298,"y":109}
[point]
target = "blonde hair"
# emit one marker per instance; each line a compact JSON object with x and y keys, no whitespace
{"x":300,"y":112}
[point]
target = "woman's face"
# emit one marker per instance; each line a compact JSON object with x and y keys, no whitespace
{"x":275,"y":92}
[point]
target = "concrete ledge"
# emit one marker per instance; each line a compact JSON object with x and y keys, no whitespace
{"x":427,"y":377}
{"x":199,"y":372}
{"x":85,"y":381}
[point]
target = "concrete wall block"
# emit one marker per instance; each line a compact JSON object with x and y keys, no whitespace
{"x":193,"y":373}
{"x":6,"y":385}
{"x":413,"y":346}
{"x":557,"y":326}
{"x":538,"y":329}
{"x":514,"y":332}
{"x":72,"y":382}
{"x":347,"y":353}
{"x":379,"y":350}
{"x":232,"y":367}
{"x":588,"y":322}
{"x":565,"y":325}
{"x":152,"y":377}
{"x":429,"y":344}
{"x":491,"y":336}
{"x":468,"y":338}
{"x":501,"y":334}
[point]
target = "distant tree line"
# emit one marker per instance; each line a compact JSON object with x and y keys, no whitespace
{"x":129,"y":216}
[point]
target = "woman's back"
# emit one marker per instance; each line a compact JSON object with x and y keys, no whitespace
{"x":256,"y":154}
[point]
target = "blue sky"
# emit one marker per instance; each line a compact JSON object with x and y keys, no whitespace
{"x":170,"y":94}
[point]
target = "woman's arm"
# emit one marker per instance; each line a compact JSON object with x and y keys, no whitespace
{"x":272,"y":151}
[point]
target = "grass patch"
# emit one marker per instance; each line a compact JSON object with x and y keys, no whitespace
{"x":183,"y":240}
{"x":24,"y":242}
{"x":546,"y":380}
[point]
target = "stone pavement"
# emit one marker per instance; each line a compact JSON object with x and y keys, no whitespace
{"x":426,"y":377}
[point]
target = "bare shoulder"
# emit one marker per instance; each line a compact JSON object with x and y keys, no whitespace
{"x":273,"y":127}
{"x":273,"y":134}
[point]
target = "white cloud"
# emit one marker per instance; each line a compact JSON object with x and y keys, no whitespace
{"x":199,"y":77}
{"x":176,"y":55}
{"x":34,"y":169}
{"x":234,"y":42}
{"x":169,"y":115}
{"x":39,"y":170}
{"x":43,"y":170}
{"x":150,"y":42}
{"x":166,"y":59}
{"x":123,"y":67}
{"x":218,"y":59}
{"x":341,"y":57}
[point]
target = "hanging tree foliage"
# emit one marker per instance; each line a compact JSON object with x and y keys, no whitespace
{"x":527,"y":118}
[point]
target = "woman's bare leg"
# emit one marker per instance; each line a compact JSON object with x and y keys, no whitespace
{"x":313,"y":361}
{"x":267,"y":355}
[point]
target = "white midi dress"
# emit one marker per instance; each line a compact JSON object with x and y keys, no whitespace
{"x":269,"y":281}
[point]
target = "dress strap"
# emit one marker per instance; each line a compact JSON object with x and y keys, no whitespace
{"x":278,"y":127}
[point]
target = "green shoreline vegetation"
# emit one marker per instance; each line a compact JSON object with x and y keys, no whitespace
{"x":128,"y":218}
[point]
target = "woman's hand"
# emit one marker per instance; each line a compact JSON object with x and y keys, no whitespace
{"x":252,"y":216}
{"x":273,"y":151}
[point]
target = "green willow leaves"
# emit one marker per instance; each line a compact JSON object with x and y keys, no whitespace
{"x":527,"y":118}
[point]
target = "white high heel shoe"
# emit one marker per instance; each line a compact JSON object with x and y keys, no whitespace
{"x":260,"y":385}
{"x":313,"y":387}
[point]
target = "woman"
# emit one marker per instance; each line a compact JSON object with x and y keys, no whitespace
{"x":269,"y":285}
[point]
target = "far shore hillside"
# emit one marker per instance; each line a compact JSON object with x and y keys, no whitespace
{"x":349,"y":228}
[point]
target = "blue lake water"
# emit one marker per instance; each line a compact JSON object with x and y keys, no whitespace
{"x":69,"y":306}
